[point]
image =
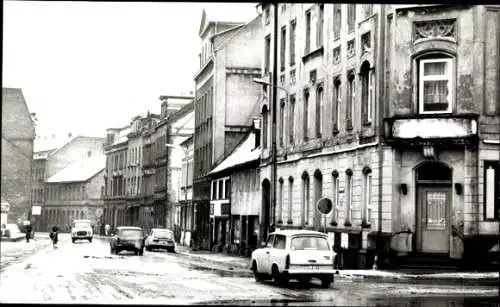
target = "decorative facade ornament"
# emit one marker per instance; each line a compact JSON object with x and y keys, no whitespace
{"x":434,"y":28}
{"x":336,"y":55}
{"x":351,"y":51}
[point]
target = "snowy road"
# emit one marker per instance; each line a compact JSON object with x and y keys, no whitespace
{"x":87,"y":273}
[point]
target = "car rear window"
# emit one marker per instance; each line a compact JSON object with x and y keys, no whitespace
{"x":132,"y":233}
{"x":163,"y":234}
{"x":309,"y":243}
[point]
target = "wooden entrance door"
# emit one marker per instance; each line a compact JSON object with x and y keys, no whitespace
{"x":434,"y":219}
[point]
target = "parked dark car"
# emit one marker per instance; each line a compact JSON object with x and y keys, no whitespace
{"x":127,"y":238}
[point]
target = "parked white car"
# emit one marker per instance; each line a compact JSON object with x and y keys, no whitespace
{"x":295,"y":254}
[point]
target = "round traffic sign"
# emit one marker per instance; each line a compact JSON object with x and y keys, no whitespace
{"x":324,"y":205}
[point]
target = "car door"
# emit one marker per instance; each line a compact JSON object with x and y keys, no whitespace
{"x":266,"y":268}
{"x":277,"y":253}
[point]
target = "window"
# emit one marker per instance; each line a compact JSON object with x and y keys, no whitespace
{"x":293,"y":25}
{"x":308,"y":32}
{"x":279,"y":242}
{"x":337,"y":20}
{"x":227,"y":189}
{"x":309,"y":242}
{"x":269,"y":242}
{"x":283,"y":46}
{"x":351,"y":17}
{"x":366,"y":214}
{"x":221,"y":187}
{"x":366,"y":76}
{"x":350,"y":101}
{"x":335,"y":197}
{"x":319,"y":39}
{"x":267,"y":54}
{"x":306,"y":115}
{"x":265,"y":119}
{"x":491,"y":190}
{"x":348,"y":207}
{"x":336,"y":105}
{"x":291,"y":118}
{"x":319,"y":115}
{"x":280,"y":208}
{"x":282,"y":120}
{"x":305,"y":199}
{"x":435,"y":85}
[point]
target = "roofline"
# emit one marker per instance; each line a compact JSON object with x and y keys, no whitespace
{"x":74,"y":181}
{"x":232,"y":151}
{"x":189,"y":138}
{"x":162,"y":97}
{"x":186,"y":109}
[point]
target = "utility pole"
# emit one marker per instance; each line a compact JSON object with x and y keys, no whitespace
{"x":273,"y":125}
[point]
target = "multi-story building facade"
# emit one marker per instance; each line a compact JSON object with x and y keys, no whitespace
{"x":37,"y":197}
{"x":18,"y":134}
{"x":115,"y":199}
{"x":327,"y":128}
{"x":75,"y":193}
{"x":186,"y":191}
{"x":359,"y":121}
{"x":225,"y":100}
{"x":443,"y":130}
{"x":180,"y":119}
{"x":134,"y":174}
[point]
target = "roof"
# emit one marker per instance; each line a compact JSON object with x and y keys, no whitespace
{"x":80,"y":171}
{"x":243,"y":153}
{"x":75,"y":138}
{"x":42,"y":154}
{"x":161,"y":229}
{"x":121,"y":137}
{"x":128,"y":227}
{"x":230,"y":13}
{"x":297,"y":231}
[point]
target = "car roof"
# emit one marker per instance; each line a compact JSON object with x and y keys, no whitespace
{"x":161,"y":229}
{"x":289,"y":232}
{"x":128,"y":227}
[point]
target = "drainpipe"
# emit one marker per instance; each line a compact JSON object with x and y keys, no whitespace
{"x":382,"y":111}
{"x":274,"y":106}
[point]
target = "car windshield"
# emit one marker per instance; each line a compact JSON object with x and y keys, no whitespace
{"x":81,"y":225}
{"x":130,"y":233}
{"x":163,"y":234}
{"x":309,"y":243}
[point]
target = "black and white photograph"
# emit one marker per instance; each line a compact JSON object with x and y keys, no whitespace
{"x":250,"y":153}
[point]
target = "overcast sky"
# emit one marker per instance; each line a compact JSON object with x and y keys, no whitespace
{"x":87,"y":66}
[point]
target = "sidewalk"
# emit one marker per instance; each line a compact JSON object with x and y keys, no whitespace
{"x":489,"y":278}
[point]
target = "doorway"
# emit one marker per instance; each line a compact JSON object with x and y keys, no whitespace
{"x":433,"y":208}
{"x":266,"y":202}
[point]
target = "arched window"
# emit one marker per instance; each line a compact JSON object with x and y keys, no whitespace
{"x":366,"y":213}
{"x":280,"y":208}
{"x":335,"y":198}
{"x":348,"y":207}
{"x":290,"y":199}
{"x":366,"y":76}
{"x":351,"y":94}
{"x":305,"y":198}
{"x":305,"y":115}
{"x":319,"y":111}
{"x":318,"y":194}
{"x":337,"y":99}
{"x":265,"y":124}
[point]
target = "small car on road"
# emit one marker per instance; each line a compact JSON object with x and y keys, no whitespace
{"x":160,"y":238}
{"x":295,"y":254}
{"x":81,"y":230}
{"x":129,"y":238}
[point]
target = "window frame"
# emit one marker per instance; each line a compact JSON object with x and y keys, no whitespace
{"x":348,"y":207}
{"x":306,"y":96}
{"x":351,"y":100}
{"x":367,"y":199}
{"x":496,"y":190}
{"x":291,"y":115}
{"x":320,"y":25}
{"x":307,"y":40}
{"x":421,"y":80}
{"x":282,"y":122}
{"x":291,"y":44}
{"x":319,"y":110}
{"x":335,"y":199}
{"x":336,"y":101}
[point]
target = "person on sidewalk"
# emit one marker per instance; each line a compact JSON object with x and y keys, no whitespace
{"x":28,"y":233}
{"x":54,"y":234}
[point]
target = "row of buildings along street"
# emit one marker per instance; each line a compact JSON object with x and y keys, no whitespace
{"x":390,"y":111}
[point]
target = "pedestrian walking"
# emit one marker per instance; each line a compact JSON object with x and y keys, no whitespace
{"x":54,"y":234}
{"x":107,"y":230}
{"x":28,"y":232}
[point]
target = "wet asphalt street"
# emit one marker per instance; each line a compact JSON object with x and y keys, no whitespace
{"x":87,"y":273}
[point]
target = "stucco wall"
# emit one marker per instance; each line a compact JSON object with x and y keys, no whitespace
{"x":245,"y":192}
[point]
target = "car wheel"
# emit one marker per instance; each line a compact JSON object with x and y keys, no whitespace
{"x":111,"y":250}
{"x":117,"y":251}
{"x":141,"y":252}
{"x":73,"y":240}
{"x":148,"y":248}
{"x":280,"y":279}
{"x":258,"y":276}
{"x":326,"y":281}
{"x":90,"y":240}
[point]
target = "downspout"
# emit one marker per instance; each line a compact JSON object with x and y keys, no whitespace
{"x":382,"y":111}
